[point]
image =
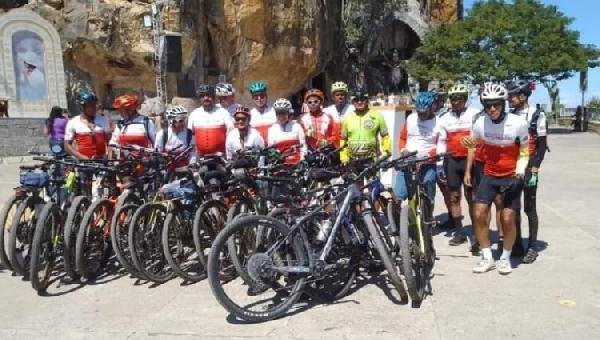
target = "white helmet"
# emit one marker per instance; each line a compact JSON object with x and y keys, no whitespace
{"x":224,"y":90}
{"x":492,"y":91}
{"x":176,"y":112}
{"x":458,"y":89}
{"x":282,"y":104}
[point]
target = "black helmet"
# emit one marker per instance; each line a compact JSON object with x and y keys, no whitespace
{"x":359,"y":93}
{"x":205,"y":89}
{"x":519,"y":86}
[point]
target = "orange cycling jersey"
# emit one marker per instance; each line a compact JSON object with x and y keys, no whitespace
{"x":90,"y":139}
{"x":210,"y":129}
{"x":319,"y":127}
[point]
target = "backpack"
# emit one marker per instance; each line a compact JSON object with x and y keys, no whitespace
{"x":533,"y":126}
{"x":165,"y":139}
{"x":121,"y":124}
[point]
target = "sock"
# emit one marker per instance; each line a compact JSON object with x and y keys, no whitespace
{"x":457,"y":222}
{"x":487,"y":254}
{"x":505,"y":254}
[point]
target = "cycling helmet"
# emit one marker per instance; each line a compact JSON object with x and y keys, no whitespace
{"x":282,"y":104}
{"x":224,"y":90}
{"x":493,"y":91}
{"x":339,"y":86}
{"x":242,"y":110}
{"x":459,"y":89}
{"x":126,"y":102}
{"x":518,"y":87}
{"x":176,"y":112}
{"x":257,"y":86}
{"x":205,"y":89}
{"x":424,"y":101}
{"x":360,"y":93}
{"x":84,"y":97}
{"x":314,"y":93}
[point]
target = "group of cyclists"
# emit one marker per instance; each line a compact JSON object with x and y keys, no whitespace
{"x":494,"y":154}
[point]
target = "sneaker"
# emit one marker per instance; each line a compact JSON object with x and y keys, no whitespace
{"x":484,"y":266}
{"x":531,"y":256}
{"x":504,"y":267}
{"x":475,"y":250}
{"x":457,"y":239}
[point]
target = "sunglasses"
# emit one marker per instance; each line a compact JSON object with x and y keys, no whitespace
{"x":494,"y":104}
{"x":259,"y":96}
{"x":457,"y":98}
{"x":313,"y":102}
{"x":361,"y":99}
{"x":240,"y":119}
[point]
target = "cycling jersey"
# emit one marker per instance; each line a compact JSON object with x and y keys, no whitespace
{"x":337,"y":115}
{"x":263,"y":121}
{"x":234,"y":142}
{"x":90,"y":139}
{"x":504,"y":144}
{"x":478,"y":148}
{"x":284,"y":137}
{"x":360,"y":133}
{"x":319,"y":127}
{"x":139,"y":131}
{"x":535,"y":130}
{"x":420,"y":135}
{"x":453,"y":127}
{"x":210,"y":129}
{"x":174,"y":141}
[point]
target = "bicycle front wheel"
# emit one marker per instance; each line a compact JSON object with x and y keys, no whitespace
{"x":6,"y":219}
{"x":44,"y":246}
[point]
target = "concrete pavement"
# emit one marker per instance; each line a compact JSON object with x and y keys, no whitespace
{"x":557,"y":297}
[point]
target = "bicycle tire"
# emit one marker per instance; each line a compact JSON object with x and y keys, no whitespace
{"x":75,"y":215}
{"x":220,"y":244}
{"x":172,"y":228}
{"x":91,"y":242}
{"x":426,"y":217}
{"x":384,"y":254}
{"x":202,"y":227}
{"x":145,"y":248}
{"x":239,"y":209}
{"x":412,"y":259}
{"x":12,"y":203}
{"x":19,"y":262}
{"x":119,"y":239}
{"x":43,"y":251}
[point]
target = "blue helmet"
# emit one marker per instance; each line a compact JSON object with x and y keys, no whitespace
{"x":257,"y":86}
{"x":83,"y":97}
{"x":424,"y":101}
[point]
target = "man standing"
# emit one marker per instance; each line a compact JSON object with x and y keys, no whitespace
{"x":341,"y":106}
{"x":518,"y":98}
{"x":504,"y":142}
{"x":262,"y":116}
{"x":89,"y":131}
{"x":320,"y":128}
{"x":243,"y":136}
{"x":133,"y":128}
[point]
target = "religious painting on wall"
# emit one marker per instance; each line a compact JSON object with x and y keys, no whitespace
{"x":28,"y":58}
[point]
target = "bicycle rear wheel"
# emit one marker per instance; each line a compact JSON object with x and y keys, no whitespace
{"x":179,"y":248}
{"x":119,"y":238}
{"x":75,"y":215}
{"x":210,"y":218}
{"x":413,"y":260}
{"x":21,"y":234}
{"x":92,"y":249}
{"x":145,"y":242}
{"x":7,"y":216}
{"x":274,"y":287}
{"x":45,"y":245}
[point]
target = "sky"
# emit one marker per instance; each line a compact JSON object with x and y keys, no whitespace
{"x":585,"y":13}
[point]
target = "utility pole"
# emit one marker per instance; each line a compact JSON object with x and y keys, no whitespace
{"x":160,"y":57}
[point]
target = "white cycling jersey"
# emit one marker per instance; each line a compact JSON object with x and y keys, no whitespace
{"x":234,"y":143}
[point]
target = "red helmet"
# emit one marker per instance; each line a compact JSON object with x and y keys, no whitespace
{"x":314,"y":93}
{"x":126,"y":102}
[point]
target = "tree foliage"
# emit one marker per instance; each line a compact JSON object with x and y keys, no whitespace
{"x":594,"y":103}
{"x":364,"y":18}
{"x":499,"y":40}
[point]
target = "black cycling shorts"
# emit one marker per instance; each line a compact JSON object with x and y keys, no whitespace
{"x":510,"y":188}
{"x":476,"y":174}
{"x":455,"y":172}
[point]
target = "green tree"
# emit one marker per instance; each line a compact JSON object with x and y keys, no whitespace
{"x":499,"y":40}
{"x":594,"y":103}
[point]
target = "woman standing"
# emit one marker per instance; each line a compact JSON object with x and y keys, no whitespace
{"x":54,"y":129}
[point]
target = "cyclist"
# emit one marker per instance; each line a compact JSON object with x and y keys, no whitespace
{"x":243,"y":136}
{"x":518,"y":99}
{"x":419,"y":133}
{"x":225,"y":94}
{"x":262,"y":116}
{"x":209,"y":123}
{"x":504,"y":139}
{"x":341,"y":106}
{"x":176,"y":136}
{"x":286,"y":133}
{"x":319,"y":127}
{"x":89,"y":131}
{"x":454,"y":125}
{"x":133,"y":128}
{"x":361,"y":129}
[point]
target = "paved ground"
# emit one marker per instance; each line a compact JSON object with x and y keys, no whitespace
{"x":558,"y":297}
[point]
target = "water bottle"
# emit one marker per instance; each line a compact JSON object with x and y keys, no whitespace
{"x":324,"y":229}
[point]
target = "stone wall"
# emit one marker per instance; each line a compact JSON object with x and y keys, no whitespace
{"x":18,"y":135}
